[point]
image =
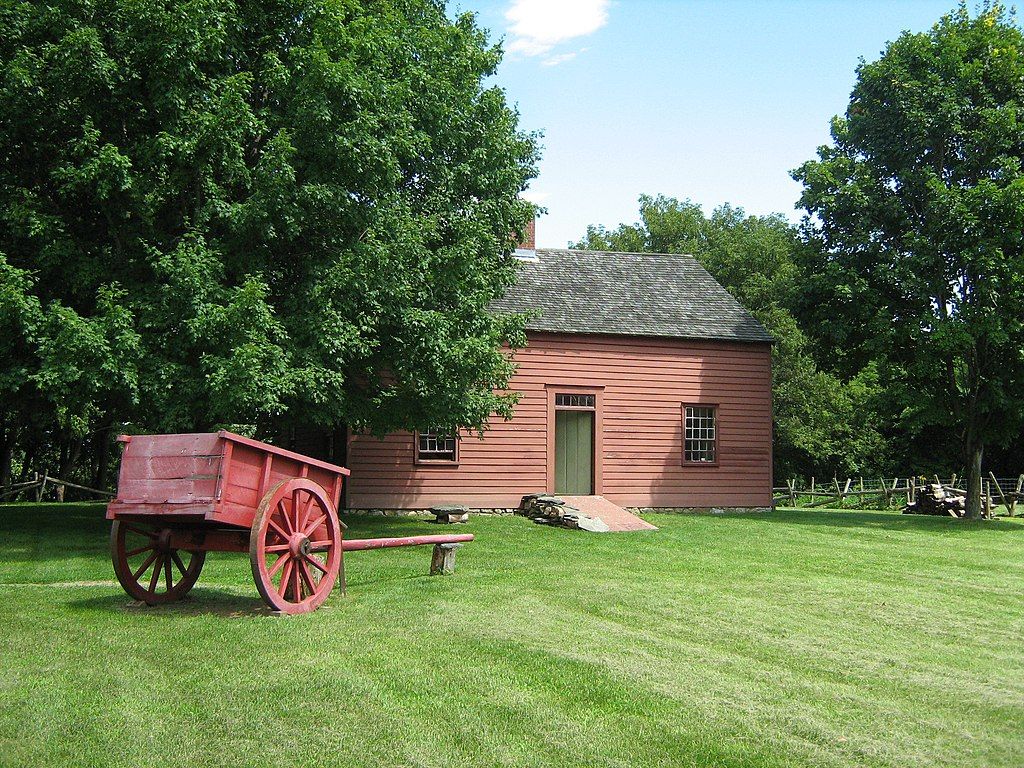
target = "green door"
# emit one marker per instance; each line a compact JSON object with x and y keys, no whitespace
{"x":574,"y":453}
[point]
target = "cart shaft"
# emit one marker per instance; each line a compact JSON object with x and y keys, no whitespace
{"x":355,"y":545}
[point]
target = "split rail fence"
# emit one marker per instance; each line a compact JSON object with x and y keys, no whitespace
{"x":37,"y":487}
{"x":1000,"y":495}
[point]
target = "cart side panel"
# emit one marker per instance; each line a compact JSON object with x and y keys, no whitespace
{"x":329,"y":481}
{"x":253,"y":472}
{"x":243,"y":486}
{"x":170,"y":469}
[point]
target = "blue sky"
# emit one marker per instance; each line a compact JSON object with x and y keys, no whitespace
{"x":711,"y":101}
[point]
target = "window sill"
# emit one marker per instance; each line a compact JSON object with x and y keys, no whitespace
{"x":435,"y":463}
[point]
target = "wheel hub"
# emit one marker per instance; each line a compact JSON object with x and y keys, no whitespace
{"x":299,"y":545}
{"x":163,"y":541}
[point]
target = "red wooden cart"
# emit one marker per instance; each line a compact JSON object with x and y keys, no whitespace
{"x":181,"y":496}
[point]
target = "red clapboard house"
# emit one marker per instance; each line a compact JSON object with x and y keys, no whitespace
{"x":643,"y":381}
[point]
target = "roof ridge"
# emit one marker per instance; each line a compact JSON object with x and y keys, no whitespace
{"x":620,"y":253}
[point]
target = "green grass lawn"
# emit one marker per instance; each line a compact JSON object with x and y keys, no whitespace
{"x":793,"y":638}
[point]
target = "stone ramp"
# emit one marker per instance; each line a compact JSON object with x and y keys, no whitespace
{"x":614,"y":516}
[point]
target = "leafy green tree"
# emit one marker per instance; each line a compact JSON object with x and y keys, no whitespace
{"x":248,"y":213}
{"x":918,"y":206}
{"x":820,"y":424}
{"x":20,"y":316}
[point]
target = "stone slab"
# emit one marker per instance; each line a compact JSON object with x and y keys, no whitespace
{"x":614,"y":516}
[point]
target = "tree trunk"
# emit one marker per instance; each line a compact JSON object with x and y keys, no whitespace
{"x":6,"y":456}
{"x":102,"y":458}
{"x":26,"y":467}
{"x":974,"y":482}
{"x":68,"y":459}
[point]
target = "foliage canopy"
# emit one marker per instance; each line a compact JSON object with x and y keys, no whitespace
{"x":224,"y":212}
{"x":917,"y":209}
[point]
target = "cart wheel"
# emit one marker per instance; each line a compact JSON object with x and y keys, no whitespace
{"x":147,"y":567}
{"x":295,"y":547}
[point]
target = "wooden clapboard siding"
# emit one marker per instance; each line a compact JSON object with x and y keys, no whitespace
{"x":642,"y":385}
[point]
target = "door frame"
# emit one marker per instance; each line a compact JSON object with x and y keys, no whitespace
{"x":598,"y":410}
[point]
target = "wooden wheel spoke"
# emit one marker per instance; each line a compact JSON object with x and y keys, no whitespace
{"x":316,"y":564}
{"x":138,"y":551}
{"x":320,"y":546}
{"x":145,"y":566}
{"x":316,"y":524}
{"x":167,"y":573}
{"x":307,"y":578}
{"x":272,"y":548}
{"x":301,"y":526}
{"x":178,"y":562}
{"x":277,"y":566}
{"x":295,"y":510}
{"x":155,"y":579}
{"x":280,"y":531}
{"x":283,"y":509}
{"x":296,"y":584}
{"x":286,"y":579}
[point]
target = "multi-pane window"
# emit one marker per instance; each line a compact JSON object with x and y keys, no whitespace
{"x":700,"y":434}
{"x":569,"y":400}
{"x":436,"y":446}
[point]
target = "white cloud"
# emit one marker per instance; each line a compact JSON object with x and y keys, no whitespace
{"x":537,"y":26}
{"x":556,"y":60}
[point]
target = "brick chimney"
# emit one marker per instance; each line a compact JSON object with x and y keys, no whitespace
{"x":529,"y":241}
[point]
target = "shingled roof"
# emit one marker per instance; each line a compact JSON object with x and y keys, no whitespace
{"x":627,"y":294}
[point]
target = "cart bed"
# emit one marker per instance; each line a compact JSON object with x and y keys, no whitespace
{"x":214,"y":476}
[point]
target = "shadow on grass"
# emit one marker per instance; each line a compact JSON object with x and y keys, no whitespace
{"x":889,"y":521}
{"x":199,"y":602}
{"x":52,"y":518}
{"x":212,"y":602}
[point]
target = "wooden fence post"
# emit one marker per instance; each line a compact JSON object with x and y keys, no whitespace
{"x":1002,"y":496}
